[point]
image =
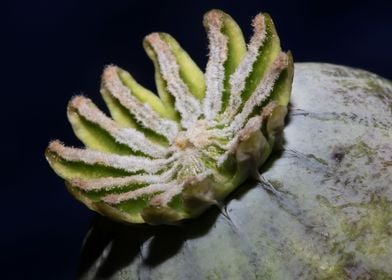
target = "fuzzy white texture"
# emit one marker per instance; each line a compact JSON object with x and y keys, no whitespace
{"x":205,"y":133}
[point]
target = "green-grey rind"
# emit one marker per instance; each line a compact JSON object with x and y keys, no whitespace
{"x":324,"y":212}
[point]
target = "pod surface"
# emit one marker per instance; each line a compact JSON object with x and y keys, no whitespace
{"x":323,"y":212}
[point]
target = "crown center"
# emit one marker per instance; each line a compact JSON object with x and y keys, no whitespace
{"x":195,"y":137}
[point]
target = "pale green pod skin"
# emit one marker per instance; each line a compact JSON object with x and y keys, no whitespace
{"x":323,"y":211}
{"x":161,"y":158}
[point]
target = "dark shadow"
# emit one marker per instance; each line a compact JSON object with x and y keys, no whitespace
{"x":111,"y":244}
{"x":166,"y":241}
{"x":116,"y":245}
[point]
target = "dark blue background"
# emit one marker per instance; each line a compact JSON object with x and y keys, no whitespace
{"x":54,"y":49}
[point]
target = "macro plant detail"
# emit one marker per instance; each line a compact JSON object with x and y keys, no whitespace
{"x":163,"y":158}
{"x":322,"y":208}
